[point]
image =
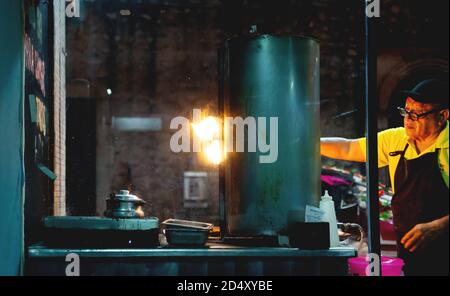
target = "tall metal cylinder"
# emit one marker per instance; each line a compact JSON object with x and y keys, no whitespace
{"x":262,"y":77}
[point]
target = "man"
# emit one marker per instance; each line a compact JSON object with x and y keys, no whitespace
{"x":418,"y":159}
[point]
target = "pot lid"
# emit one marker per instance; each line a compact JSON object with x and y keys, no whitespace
{"x":124,"y":195}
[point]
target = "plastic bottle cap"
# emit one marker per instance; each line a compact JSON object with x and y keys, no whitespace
{"x":326,"y":195}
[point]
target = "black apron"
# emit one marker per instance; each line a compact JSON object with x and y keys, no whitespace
{"x":421,"y":196}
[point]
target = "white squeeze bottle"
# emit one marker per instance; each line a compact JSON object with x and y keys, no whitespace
{"x":327,"y":205}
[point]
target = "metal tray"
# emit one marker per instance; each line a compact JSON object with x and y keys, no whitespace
{"x":186,"y":233}
{"x":186,"y":224}
{"x":186,"y":237}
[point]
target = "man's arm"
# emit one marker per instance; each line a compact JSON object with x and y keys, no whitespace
{"x":343,"y":149}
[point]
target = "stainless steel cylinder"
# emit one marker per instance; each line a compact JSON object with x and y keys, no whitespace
{"x":262,"y":77}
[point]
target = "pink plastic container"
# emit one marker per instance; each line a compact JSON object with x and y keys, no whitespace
{"x":389,"y":266}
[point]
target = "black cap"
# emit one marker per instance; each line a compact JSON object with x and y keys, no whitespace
{"x":431,"y":91}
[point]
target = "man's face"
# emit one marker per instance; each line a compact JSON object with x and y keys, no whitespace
{"x":424,"y":126}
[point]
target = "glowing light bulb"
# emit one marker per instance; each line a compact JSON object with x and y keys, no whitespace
{"x":208,"y":132}
{"x":207,"y":129}
{"x":213,"y":152}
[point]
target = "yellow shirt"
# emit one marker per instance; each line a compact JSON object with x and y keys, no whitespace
{"x":395,"y":139}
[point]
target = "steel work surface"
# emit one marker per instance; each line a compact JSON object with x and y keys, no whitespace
{"x":211,"y":251}
{"x":216,"y":259}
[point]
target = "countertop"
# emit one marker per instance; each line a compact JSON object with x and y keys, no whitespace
{"x":217,"y":259}
{"x":210,"y":250}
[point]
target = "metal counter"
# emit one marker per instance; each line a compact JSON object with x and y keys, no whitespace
{"x":215,"y":259}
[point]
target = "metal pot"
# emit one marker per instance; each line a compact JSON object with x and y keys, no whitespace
{"x":124,"y":205}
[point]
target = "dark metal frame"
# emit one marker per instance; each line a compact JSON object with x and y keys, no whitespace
{"x":371,"y":110}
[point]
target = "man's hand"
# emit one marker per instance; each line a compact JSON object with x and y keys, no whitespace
{"x":422,"y":234}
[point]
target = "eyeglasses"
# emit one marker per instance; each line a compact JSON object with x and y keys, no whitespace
{"x":414,"y":116}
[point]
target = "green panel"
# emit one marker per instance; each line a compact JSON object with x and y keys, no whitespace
{"x":46,"y":171}
{"x":33,"y":111}
{"x":11,"y":132}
